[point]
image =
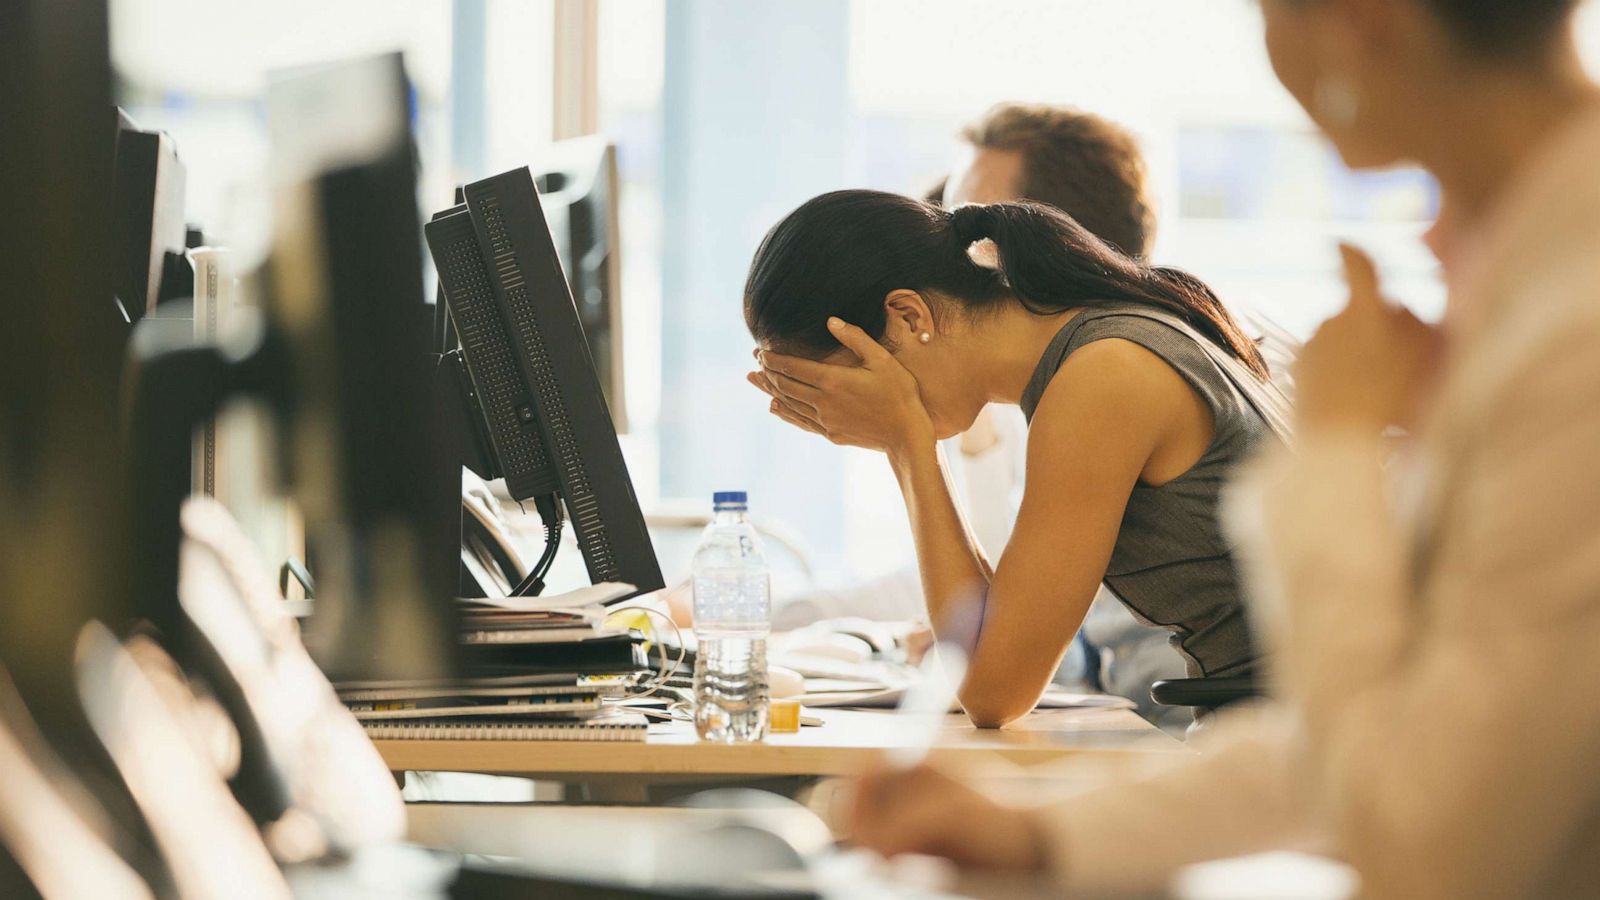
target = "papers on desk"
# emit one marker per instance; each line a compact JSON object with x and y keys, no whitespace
{"x":1060,"y":698}
{"x":879,"y":684}
{"x":526,"y":667}
{"x":831,"y":693}
{"x":842,"y":667}
{"x":591,"y":599}
{"x":593,"y":596}
{"x":555,"y":619}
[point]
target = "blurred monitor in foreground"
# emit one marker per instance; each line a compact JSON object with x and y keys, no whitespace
{"x":346,"y":300}
{"x":148,"y":197}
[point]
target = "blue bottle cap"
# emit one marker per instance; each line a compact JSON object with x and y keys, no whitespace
{"x":722,"y":498}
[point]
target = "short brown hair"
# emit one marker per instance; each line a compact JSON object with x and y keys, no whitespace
{"x":1083,"y":165}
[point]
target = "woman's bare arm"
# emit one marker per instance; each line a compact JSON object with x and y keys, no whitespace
{"x":1095,"y":430}
{"x":1106,"y":414}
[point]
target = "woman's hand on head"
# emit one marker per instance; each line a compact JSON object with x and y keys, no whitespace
{"x":874,"y":405}
{"x":926,"y":812}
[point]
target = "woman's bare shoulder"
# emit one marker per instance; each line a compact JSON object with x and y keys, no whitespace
{"x":1116,"y":399}
{"x":1116,"y":376}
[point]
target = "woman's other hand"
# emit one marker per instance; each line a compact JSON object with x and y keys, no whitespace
{"x":679,"y":600}
{"x":1370,"y":366}
{"x":927,"y":812}
{"x":874,"y":405}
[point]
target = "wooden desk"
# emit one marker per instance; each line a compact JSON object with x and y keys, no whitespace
{"x":846,"y":742}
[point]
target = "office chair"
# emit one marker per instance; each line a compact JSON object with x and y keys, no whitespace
{"x":1206,"y":693}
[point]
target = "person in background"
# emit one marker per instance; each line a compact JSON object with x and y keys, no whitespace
{"x":1093,"y":170}
{"x":1082,"y":164}
{"x":1434,"y":623}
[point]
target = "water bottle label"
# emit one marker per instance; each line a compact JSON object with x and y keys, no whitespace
{"x":738,"y":600}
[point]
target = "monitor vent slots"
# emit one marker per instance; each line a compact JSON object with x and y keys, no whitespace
{"x":582,"y":503}
{"x":487,"y":349}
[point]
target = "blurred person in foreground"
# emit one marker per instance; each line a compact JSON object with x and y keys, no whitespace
{"x":1433,"y":625}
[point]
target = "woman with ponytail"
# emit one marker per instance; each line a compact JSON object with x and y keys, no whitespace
{"x":878,"y":326}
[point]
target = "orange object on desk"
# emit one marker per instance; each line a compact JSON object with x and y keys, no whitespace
{"x":784,"y":717}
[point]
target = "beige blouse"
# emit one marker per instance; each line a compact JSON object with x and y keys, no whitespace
{"x":1437,"y":662}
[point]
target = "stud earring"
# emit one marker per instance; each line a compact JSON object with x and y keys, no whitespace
{"x":925,"y":337}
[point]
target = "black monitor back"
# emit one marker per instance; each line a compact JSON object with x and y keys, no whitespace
{"x":148,"y":197}
{"x":532,"y":372}
{"x":580,"y":192}
{"x":346,"y":296}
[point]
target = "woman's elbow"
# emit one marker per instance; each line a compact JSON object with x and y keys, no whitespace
{"x":995,"y":712}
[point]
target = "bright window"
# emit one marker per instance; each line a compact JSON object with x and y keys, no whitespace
{"x":199,"y":70}
{"x":728,"y":114}
{"x":751,"y":108}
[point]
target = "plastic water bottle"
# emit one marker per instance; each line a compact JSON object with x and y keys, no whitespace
{"x":732,"y":616}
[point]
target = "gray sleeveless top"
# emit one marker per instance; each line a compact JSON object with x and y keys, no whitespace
{"x":1171,"y":565}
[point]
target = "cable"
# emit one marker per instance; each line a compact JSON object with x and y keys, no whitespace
{"x":533,"y":585}
{"x":665,"y":674}
{"x":549,"y":507}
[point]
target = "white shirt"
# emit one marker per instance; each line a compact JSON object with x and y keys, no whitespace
{"x":990,"y":485}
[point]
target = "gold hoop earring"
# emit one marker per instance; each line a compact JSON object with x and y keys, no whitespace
{"x":925,"y":337}
{"x":1337,"y":102}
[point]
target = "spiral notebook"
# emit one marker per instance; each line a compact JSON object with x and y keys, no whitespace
{"x":424,"y":691}
{"x":627,"y":727}
{"x":564,"y":705}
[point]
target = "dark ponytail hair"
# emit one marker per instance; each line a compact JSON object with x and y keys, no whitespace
{"x":841,"y":253}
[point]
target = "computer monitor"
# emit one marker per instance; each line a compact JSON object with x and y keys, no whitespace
{"x":64,"y":520}
{"x":533,"y":379}
{"x":59,"y":353}
{"x":578,"y":187}
{"x":340,"y":357}
{"x":347,"y":300}
{"x":148,"y":197}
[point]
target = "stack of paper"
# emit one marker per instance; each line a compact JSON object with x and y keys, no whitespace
{"x":532,"y":668}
